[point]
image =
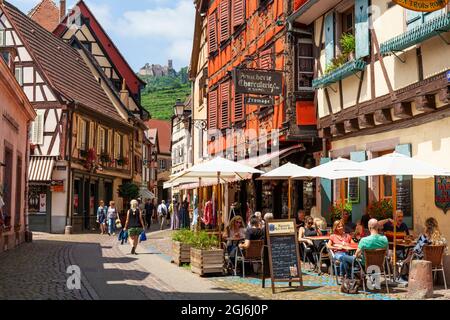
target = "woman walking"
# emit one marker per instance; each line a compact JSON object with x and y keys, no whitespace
{"x":101,"y":216}
{"x":134,"y":225}
{"x":112,"y":216}
{"x":173,"y":210}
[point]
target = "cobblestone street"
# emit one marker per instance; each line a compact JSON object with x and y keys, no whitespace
{"x":37,"y":270}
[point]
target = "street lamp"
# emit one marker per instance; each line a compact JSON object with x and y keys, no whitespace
{"x":178,"y":108}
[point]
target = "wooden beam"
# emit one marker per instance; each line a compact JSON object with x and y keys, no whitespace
{"x":366,"y":121}
{"x":337,"y":129}
{"x":444,"y":95}
{"x":425,"y":103}
{"x":403,"y":110}
{"x":325,"y":133}
{"x":351,"y":125}
{"x":383,"y":116}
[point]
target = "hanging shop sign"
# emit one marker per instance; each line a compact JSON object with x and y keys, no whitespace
{"x":442,"y":192}
{"x":260,"y":101}
{"x":57,"y":186}
{"x":422,"y":5}
{"x":258,"y":82}
{"x":283,"y":253}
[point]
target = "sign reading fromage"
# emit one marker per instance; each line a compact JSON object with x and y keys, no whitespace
{"x":258,"y":82}
{"x":422,"y":5}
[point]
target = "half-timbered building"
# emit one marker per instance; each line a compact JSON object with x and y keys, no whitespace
{"x":83,"y":136}
{"x":253,"y":34}
{"x":390,"y":92}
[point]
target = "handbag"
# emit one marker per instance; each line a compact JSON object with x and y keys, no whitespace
{"x":350,"y":286}
{"x":142,"y":236}
{"x":118,"y":224}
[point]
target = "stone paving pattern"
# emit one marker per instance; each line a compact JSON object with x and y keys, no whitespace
{"x":37,"y":271}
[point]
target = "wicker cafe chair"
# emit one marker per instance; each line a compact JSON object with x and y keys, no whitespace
{"x":375,"y":257}
{"x":435,"y":254}
{"x":253,"y":253}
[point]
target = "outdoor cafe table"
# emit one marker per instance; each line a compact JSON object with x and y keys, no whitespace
{"x":350,"y":248}
{"x":319,"y":238}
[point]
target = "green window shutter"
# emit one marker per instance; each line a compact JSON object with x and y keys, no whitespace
{"x":362,"y":28}
{"x":325,"y":194}
{"x":413,"y":19}
{"x":329,"y":38}
{"x":404,"y":182}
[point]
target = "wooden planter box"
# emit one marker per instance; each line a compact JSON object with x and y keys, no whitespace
{"x":207,"y":261}
{"x":181,"y":253}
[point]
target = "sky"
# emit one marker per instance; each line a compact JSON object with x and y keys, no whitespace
{"x":145,"y":31}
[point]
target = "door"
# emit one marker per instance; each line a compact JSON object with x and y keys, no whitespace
{"x":8,"y":186}
{"x":86,"y":204}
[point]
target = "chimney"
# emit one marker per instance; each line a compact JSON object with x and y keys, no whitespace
{"x":62,"y":9}
{"x":124,"y":94}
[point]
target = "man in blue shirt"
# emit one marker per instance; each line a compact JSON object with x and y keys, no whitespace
{"x":388,"y":224}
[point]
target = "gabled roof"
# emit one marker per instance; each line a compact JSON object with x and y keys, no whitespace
{"x":46,"y":13}
{"x":164,"y":134}
{"x":62,"y":65}
{"x":133,"y":81}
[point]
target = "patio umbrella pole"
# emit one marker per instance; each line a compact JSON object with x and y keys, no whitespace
{"x":289,"y":198}
{"x":219,"y":206}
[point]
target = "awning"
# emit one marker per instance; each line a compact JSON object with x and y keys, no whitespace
{"x":312,"y":10}
{"x":41,"y":168}
{"x":146,"y":194}
{"x":265,"y":158}
{"x":344,"y":71}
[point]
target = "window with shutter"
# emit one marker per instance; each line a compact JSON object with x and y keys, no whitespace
{"x":265,"y":59}
{"x":224,"y":20}
{"x":212,"y":32}
{"x":91,"y":134}
{"x":224,"y":105}
{"x":109,"y":142}
{"x":116,"y":146}
{"x":238,"y":12}
{"x":83,"y":135}
{"x":212,"y":109}
{"x":305,"y":63}
{"x":238,"y":106}
{"x":37,"y":128}
{"x":101,"y":141}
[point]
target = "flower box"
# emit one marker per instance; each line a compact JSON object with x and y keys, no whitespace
{"x":181,"y":252}
{"x":207,"y":261}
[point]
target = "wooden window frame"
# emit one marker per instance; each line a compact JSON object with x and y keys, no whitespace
{"x":298,"y":58}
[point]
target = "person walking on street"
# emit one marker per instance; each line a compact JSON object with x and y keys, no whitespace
{"x":175,"y":219}
{"x":112,"y":216}
{"x":149,"y":208}
{"x":162,"y":213}
{"x":101,"y":216}
{"x":134,"y":224}
{"x":184,"y":214}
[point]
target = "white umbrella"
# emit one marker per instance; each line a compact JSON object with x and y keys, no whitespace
{"x":284,"y":172}
{"x":397,"y":164}
{"x":339,"y":168}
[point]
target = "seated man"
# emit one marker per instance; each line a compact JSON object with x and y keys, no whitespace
{"x":300,"y":219}
{"x":388,"y":225}
{"x":374,"y":241}
{"x":253,"y":233}
{"x":349,"y":226}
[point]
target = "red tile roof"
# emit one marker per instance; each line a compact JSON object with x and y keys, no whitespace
{"x":63,"y":66}
{"x":46,"y":13}
{"x":164,"y":133}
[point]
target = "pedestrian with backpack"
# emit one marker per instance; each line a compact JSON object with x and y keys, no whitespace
{"x":162,"y":213}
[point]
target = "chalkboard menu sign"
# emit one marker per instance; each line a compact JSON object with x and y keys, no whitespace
{"x":284,"y":257}
{"x":353,"y":190}
{"x":404,"y":195}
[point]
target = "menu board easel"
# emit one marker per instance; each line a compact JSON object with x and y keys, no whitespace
{"x":284,"y":254}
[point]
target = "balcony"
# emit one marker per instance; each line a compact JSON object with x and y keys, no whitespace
{"x":344,"y":71}
{"x":416,"y":35}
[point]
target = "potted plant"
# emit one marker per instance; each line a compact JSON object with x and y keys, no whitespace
{"x":181,"y":248}
{"x":381,"y":210}
{"x":348,"y":45}
{"x":83,"y":153}
{"x":338,"y":208}
{"x":119,"y":162}
{"x":206,"y":256}
{"x":105,"y":158}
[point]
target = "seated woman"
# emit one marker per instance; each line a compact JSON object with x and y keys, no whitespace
{"x":337,"y":240}
{"x":310,"y":230}
{"x":431,"y":236}
{"x":255,"y":232}
{"x":360,"y":232}
{"x":234,"y":232}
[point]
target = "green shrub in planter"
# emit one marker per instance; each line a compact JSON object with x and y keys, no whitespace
{"x":204,"y":241}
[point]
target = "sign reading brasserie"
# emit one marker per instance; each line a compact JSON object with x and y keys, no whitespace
{"x":284,"y":257}
{"x":258,"y":82}
{"x":442,"y":192}
{"x":422,"y":5}
{"x":261,"y":101}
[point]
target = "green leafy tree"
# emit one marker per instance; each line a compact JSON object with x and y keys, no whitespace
{"x":128,"y":191}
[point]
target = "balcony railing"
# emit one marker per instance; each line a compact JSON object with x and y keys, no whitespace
{"x":416,"y":35}
{"x":344,"y":71}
